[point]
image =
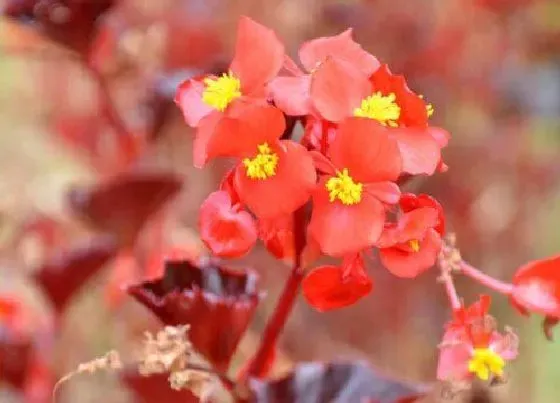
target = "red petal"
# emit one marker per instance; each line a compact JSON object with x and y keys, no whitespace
{"x":227,"y":185}
{"x":292,"y":94}
{"x":258,"y":55}
{"x":284,"y":192}
{"x":413,"y":225}
{"x":413,"y":108}
{"x":205,"y":130}
{"x":410,"y":264}
{"x":226,"y":232}
{"x":341,"y":229}
{"x":419,"y":150}
{"x":322,"y":163}
{"x":367,"y":150}
{"x":341,"y":47}
{"x":189,"y":99}
{"x":387,"y":192}
{"x":410,"y":201}
{"x":441,"y":136}
{"x":278,"y":236}
{"x":337,"y":89}
{"x":326,"y":289}
{"x":537,"y":286}
{"x":245,"y":126}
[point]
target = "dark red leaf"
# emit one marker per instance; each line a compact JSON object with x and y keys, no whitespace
{"x":68,"y":269}
{"x":72,"y":23}
{"x":122,"y":204}
{"x":217,"y":302}
{"x":336,"y":382}
{"x":155,"y":389}
{"x":15,"y":355}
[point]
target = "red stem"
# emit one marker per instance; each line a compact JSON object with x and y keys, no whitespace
{"x":125,"y":136}
{"x":260,"y":364}
{"x":451,"y":291}
{"x":485,"y":279}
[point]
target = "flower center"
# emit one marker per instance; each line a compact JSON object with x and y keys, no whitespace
{"x":343,"y":188}
{"x":485,"y":362}
{"x":382,"y":108}
{"x":414,"y":245}
{"x":219,"y":92}
{"x":263,"y":165}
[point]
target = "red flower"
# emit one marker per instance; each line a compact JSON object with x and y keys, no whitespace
{"x":536,"y":287}
{"x":226,"y":229}
{"x":339,"y":92}
{"x":275,"y":176}
{"x":277,"y":235}
{"x":410,"y":201}
{"x":332,"y":287}
{"x":472,"y":345}
{"x":348,"y":211}
{"x":292,"y":94}
{"x":411,"y":246}
{"x":205,"y":100}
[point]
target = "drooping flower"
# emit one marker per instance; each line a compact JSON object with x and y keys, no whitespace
{"x":412,"y":244}
{"x":536,"y":287}
{"x":225,"y":228}
{"x":292,"y":93}
{"x":348,"y":203}
{"x":472,"y":347}
{"x":331,"y":287}
{"x":338,"y":92}
{"x":205,"y":100}
{"x":274,"y":177}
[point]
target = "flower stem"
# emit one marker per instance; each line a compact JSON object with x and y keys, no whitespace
{"x":261,"y":362}
{"x":451,"y":291}
{"x":125,"y":137}
{"x":485,"y":279}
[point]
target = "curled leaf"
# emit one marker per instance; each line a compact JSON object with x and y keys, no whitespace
{"x":123,"y":204}
{"x":68,"y":269}
{"x":335,"y":382}
{"x":216,"y":301}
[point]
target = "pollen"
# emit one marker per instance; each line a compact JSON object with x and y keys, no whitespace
{"x":263,"y":165}
{"x":343,"y":188}
{"x":484,"y":362}
{"x":414,"y":245}
{"x":430,"y":110}
{"x":382,"y":108}
{"x":219,"y":92}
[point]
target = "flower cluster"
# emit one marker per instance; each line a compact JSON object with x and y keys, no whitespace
{"x":364,"y":128}
{"x":364,"y":134}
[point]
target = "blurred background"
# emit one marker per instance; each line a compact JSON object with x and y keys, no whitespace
{"x":491,"y":68}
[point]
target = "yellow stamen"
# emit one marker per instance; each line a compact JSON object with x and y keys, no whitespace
{"x":382,"y":108}
{"x":429,"y":107}
{"x":219,"y":92}
{"x":485,"y":362}
{"x":414,"y":245}
{"x":343,"y":188}
{"x":263,"y":165}
{"x":429,"y":110}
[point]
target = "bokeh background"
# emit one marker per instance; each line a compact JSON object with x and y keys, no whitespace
{"x":491,"y":68}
